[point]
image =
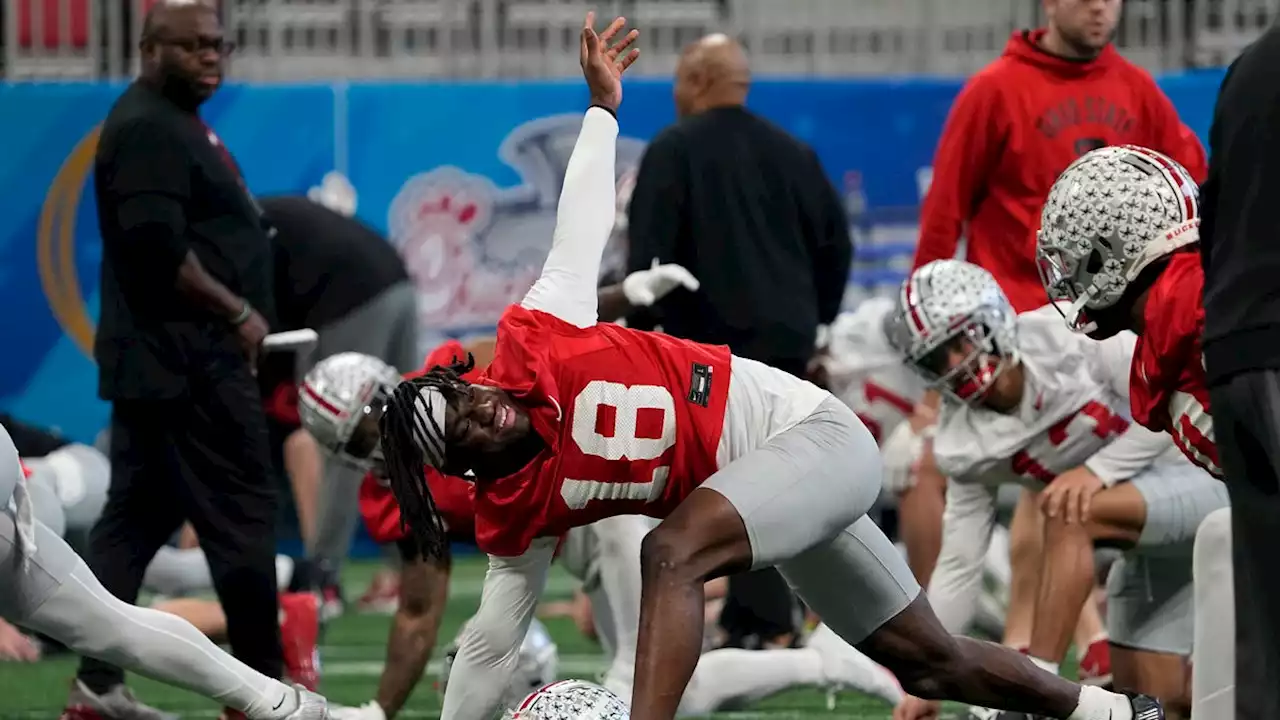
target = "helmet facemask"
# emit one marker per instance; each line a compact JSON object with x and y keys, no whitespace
{"x":970,"y":379}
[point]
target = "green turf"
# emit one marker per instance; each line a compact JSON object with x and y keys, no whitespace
{"x":352,"y":654}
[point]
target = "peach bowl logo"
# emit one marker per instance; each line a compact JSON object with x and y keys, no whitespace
{"x":471,"y":247}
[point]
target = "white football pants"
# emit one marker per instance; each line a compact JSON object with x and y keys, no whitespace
{"x":52,"y":591}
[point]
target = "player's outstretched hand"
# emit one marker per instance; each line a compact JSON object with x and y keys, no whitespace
{"x":604,"y":61}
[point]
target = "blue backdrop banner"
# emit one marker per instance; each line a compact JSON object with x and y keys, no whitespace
{"x":462,"y":178}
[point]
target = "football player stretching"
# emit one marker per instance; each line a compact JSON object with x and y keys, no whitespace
{"x":576,"y":420}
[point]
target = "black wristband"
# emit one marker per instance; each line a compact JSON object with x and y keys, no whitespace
{"x":609,"y":110}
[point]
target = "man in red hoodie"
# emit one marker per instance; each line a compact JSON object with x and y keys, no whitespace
{"x":1054,"y":95}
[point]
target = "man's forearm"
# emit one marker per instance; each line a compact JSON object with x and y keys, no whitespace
{"x":613,"y":303}
{"x":424,"y":591}
{"x":205,"y":290}
{"x":409,"y":647}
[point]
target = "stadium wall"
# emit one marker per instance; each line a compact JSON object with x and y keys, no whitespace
{"x":496,"y":150}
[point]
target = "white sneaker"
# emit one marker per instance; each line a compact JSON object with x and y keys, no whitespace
{"x":310,"y":706}
{"x":846,"y":667}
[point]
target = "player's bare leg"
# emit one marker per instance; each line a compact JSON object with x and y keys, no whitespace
{"x":706,"y":536}
{"x":1067,"y":574}
{"x":1150,"y":589}
{"x":703,"y":538}
{"x":1025,"y":550}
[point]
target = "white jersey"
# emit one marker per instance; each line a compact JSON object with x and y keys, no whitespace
{"x":867,"y":374}
{"x":1074,"y":411}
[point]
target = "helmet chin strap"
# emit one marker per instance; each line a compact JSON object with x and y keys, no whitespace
{"x":1076,"y":308}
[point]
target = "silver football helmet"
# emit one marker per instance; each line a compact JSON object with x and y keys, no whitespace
{"x":570,"y":700}
{"x":339,"y":394}
{"x":1109,"y":215}
{"x":949,"y":308}
{"x":536,"y":666}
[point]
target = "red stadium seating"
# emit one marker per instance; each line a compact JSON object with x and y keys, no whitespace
{"x":51,"y":30}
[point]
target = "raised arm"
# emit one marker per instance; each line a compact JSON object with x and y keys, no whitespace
{"x":490,"y":646}
{"x":587,"y":209}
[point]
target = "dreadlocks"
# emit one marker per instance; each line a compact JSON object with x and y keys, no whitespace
{"x":405,"y":433}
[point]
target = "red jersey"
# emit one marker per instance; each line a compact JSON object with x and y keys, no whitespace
{"x":1015,"y":126}
{"x":454,"y":497}
{"x":1168,"y":390}
{"x":632,"y":423}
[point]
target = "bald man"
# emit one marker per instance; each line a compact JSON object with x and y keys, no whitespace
{"x":750,"y":212}
{"x":186,"y":293}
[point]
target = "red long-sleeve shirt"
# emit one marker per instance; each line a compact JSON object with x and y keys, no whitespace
{"x":1015,"y":126}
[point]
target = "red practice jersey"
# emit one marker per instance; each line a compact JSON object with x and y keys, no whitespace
{"x":1168,"y":390}
{"x":632,"y":422}
{"x":454,"y":497}
{"x":1016,"y":125}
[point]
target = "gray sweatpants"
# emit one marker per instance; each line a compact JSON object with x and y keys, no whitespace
{"x":385,"y":327}
{"x":803,"y":497}
{"x":56,"y":594}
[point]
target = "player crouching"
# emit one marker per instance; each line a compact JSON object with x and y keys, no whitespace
{"x":1028,"y":401}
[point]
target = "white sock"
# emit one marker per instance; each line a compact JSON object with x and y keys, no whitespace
{"x":732,"y":678}
{"x":1045,"y":664}
{"x":82,"y":615}
{"x":1099,"y":704}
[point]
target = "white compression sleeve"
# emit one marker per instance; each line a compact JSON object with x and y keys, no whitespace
{"x":966,"y":533}
{"x":490,"y":646}
{"x":1213,"y":674}
{"x":584,"y":221}
{"x":82,"y":615}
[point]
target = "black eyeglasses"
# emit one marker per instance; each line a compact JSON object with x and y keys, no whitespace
{"x":219,"y":45}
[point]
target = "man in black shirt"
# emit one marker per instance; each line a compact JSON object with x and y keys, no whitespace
{"x":338,"y":276}
{"x":186,"y":290}
{"x":1241,"y":259}
{"x":748,"y":210}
